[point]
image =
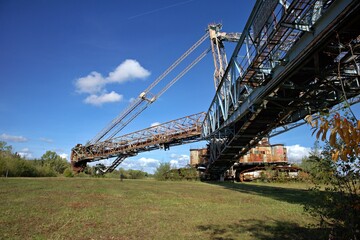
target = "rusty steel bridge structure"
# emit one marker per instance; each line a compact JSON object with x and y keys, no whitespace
{"x":293,"y":58}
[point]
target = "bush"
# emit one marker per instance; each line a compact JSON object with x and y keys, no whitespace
{"x":162,"y":172}
{"x":46,"y":171}
{"x":68,"y":173}
{"x":338,"y":168}
{"x":189,"y":173}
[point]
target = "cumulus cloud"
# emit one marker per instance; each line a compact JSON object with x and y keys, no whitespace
{"x":25,"y":153}
{"x":296,"y":152}
{"x":103,"y":98}
{"x":12,"y":138}
{"x":155,"y":124}
{"x":179,"y":161}
{"x":128,"y":70}
{"x":94,"y":84}
{"x":148,"y":165}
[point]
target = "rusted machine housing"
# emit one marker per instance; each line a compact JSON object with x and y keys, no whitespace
{"x":263,"y":154}
{"x":266,"y":153}
{"x":198,"y":156}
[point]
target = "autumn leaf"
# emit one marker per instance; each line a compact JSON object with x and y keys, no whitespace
{"x":335,"y":155}
{"x":332,"y":139}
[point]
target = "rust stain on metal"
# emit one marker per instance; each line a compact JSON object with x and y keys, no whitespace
{"x":264,"y":152}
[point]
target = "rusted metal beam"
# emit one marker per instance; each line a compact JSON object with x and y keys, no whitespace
{"x":162,"y":136}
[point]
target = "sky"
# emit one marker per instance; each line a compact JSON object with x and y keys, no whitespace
{"x":69,"y":67}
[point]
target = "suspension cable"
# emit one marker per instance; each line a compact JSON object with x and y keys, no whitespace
{"x":135,"y":104}
{"x":180,"y":75}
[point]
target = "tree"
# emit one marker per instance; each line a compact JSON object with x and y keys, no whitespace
{"x":162,"y":171}
{"x":4,"y":148}
{"x":56,"y":162}
{"x":338,"y":167}
{"x":135,"y":174}
{"x":12,"y":165}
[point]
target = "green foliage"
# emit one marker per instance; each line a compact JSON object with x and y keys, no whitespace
{"x":336,"y":170}
{"x":338,"y":207}
{"x":174,"y":175}
{"x":46,"y":171}
{"x":95,"y":171}
{"x":268,"y":175}
{"x":162,"y":171}
{"x":4,"y":148}
{"x":55,"y":161}
{"x":51,"y":165}
{"x":13,"y":165}
{"x":189,"y":173}
{"x":68,"y":172}
{"x":272,"y":174}
{"x":136,"y":174}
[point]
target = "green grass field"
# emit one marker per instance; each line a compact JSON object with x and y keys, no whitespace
{"x":76,"y":208}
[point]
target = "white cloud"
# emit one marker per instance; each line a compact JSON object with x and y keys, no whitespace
{"x":25,"y":153}
{"x":128,"y":70}
{"x":11,"y":138}
{"x":64,"y":155}
{"x":296,"y":152}
{"x":148,"y":165}
{"x":155,"y":124}
{"x":98,"y":100}
{"x":94,"y":84}
{"x":179,"y":161}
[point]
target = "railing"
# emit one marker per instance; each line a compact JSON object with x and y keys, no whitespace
{"x":272,"y":29}
{"x":182,"y":130}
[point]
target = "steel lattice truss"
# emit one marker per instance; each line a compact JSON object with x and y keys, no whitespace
{"x":181,"y":131}
{"x":294,"y":58}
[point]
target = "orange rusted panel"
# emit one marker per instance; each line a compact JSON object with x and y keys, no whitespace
{"x":264,"y":152}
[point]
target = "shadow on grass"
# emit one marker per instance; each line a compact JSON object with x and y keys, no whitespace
{"x":290,"y":195}
{"x":259,"y":229}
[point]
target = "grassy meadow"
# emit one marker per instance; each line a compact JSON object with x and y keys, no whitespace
{"x":78,"y":208}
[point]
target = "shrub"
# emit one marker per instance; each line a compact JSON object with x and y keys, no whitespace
{"x":68,"y":172}
{"x":162,"y":171}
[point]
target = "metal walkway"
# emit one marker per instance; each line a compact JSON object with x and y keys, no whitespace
{"x":181,"y":131}
{"x":294,"y":58}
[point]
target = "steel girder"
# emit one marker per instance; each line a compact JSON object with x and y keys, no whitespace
{"x":180,"y":131}
{"x":281,"y":73}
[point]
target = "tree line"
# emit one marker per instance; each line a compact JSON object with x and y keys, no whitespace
{"x":13,"y":165}
{"x":51,"y":164}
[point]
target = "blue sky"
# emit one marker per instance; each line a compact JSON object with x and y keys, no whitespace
{"x":69,"y":67}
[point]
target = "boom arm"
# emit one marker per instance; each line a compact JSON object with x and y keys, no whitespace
{"x":176,"y":132}
{"x":143,"y":101}
{"x":131,"y":144}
